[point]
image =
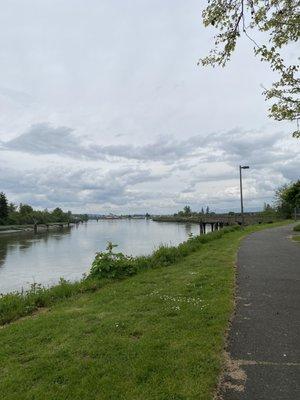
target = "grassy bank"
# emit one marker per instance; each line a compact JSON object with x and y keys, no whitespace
{"x":16,"y":305}
{"x":157,"y":335}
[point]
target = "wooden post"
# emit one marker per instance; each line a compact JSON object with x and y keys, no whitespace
{"x":201,"y":228}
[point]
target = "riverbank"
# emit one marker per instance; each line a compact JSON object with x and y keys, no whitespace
{"x":45,"y":257}
{"x":15,"y":228}
{"x":18,"y":304}
{"x":7,"y":229}
{"x":156,"y":335}
{"x":224,"y":219}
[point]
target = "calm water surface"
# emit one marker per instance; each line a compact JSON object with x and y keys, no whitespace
{"x":26,"y":258}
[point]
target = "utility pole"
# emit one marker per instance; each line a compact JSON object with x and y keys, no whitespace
{"x":241,"y":192}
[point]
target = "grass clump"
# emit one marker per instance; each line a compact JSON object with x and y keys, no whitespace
{"x":19,"y":304}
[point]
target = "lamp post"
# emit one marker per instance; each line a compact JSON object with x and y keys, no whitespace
{"x":241,"y":192}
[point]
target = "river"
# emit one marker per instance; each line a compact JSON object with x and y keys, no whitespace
{"x":43,"y":258}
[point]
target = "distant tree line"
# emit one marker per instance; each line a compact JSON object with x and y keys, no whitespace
{"x":187,"y":212}
{"x":11,"y":214}
{"x":287,"y":199}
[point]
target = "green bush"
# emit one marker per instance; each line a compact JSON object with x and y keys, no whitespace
{"x":108,"y":264}
{"x":297,"y":228}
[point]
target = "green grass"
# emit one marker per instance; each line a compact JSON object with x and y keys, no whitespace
{"x":158,"y":335}
{"x":296,"y":238}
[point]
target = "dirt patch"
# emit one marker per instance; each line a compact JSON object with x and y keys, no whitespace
{"x":233,"y":379}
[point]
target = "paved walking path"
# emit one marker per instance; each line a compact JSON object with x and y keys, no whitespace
{"x":264,"y":341}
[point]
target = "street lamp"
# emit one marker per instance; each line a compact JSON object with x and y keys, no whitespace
{"x":241,"y":191}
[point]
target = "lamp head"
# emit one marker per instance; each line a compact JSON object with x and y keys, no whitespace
{"x":245,"y":167}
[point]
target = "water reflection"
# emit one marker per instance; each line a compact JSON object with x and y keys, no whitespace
{"x":45,"y":257}
{"x":21,"y":242}
{"x":188,"y":229}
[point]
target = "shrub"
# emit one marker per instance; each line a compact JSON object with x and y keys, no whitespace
{"x":297,"y":228}
{"x":165,"y":256}
{"x":108,"y":264}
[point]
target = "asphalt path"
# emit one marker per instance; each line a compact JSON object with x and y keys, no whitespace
{"x":264,"y":340}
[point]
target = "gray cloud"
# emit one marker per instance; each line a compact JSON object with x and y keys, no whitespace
{"x":236,"y":145}
{"x":194,"y":169}
{"x":52,"y":186}
{"x":41,"y":139}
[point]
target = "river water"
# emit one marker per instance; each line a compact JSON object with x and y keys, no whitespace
{"x":43,"y":258}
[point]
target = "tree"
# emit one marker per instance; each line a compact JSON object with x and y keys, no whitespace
{"x":288,"y":198}
{"x":207,"y":210}
{"x":12,"y":208}
{"x":202,"y":210}
{"x":85,"y":217}
{"x":280,"y":21}
{"x":3,"y":207}
{"x":269,"y":211}
{"x":187,"y":210}
{"x":58,"y":215}
{"x":25,"y":209}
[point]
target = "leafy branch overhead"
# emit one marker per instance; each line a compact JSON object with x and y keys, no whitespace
{"x":279,"y":20}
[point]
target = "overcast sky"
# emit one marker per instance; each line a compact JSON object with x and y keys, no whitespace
{"x":104,"y":109}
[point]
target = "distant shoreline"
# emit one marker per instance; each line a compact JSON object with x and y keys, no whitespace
{"x":30,"y":228}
